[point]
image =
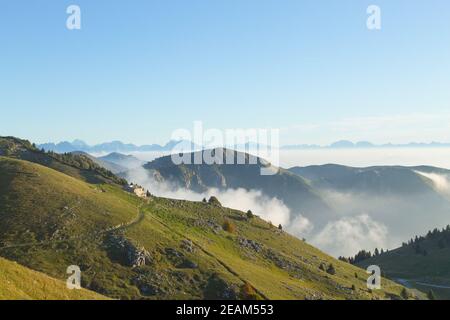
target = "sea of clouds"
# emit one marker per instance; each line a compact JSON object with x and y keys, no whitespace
{"x":344,"y":236}
{"x":361,"y":221}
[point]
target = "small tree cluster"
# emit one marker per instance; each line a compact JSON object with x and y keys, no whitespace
{"x":330,"y":269}
{"x":214,"y":201}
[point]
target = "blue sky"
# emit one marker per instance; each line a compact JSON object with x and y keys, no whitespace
{"x":138,"y":70}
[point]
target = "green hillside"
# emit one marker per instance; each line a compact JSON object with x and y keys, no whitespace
{"x":132,"y":248}
{"x":75,"y":165}
{"x":422,"y":263}
{"x":20,"y":283}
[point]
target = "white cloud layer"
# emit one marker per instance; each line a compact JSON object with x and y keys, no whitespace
{"x":348,"y":235}
{"x":440,"y":182}
{"x":270,"y":209}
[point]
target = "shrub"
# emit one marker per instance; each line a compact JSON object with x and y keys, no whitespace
{"x":214,"y":201}
{"x":331,"y":270}
{"x":431,"y":295}
{"x":405,"y":294}
{"x":248,"y":292}
{"x":229,"y":226}
{"x":250,"y":214}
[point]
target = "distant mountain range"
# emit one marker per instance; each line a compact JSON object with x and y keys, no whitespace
{"x":107,"y":147}
{"x":345,"y":144}
{"x":118,"y":146}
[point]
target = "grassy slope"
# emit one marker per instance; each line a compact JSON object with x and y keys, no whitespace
{"x":299,"y":280}
{"x":404,"y":263}
{"x":49,"y":220}
{"x":74,"y":165}
{"x":20,"y":283}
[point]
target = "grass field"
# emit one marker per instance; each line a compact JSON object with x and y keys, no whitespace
{"x":20,"y":283}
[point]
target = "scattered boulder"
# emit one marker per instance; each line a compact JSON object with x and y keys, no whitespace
{"x":219,"y":289}
{"x":187,"y":245}
{"x":127,"y":252}
{"x":148,"y":284}
{"x":148,"y":290}
{"x":250,"y":244}
{"x":281,"y":262}
{"x":175,"y":257}
{"x":211,"y":224}
{"x":173,"y":253}
{"x":187,"y":264}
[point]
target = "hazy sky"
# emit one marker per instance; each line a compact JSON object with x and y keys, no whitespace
{"x":138,"y":70}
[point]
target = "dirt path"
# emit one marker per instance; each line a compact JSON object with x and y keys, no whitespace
{"x":137,"y":219}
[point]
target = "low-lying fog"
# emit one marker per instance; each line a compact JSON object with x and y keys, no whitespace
{"x":361,"y":222}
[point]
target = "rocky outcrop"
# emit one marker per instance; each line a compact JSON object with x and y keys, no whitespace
{"x":188,"y":264}
{"x":281,"y":262}
{"x":218,"y":289}
{"x":187,"y":245}
{"x":127,"y":252}
{"x":210,"y":224}
{"x":250,"y":244}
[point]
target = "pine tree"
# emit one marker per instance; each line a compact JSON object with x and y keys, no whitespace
{"x":405,"y":294}
{"x":431,"y":295}
{"x":331,"y":270}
